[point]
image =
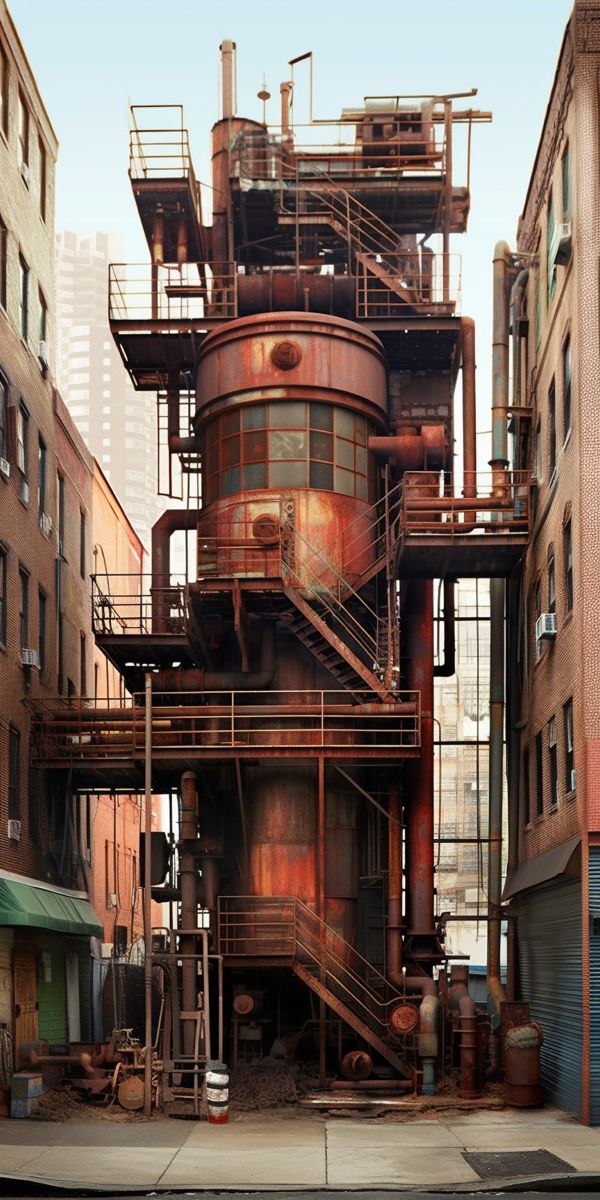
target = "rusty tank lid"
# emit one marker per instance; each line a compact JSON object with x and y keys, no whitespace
{"x":305,"y":322}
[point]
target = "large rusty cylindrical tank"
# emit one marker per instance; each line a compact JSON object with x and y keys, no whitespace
{"x":282,"y":831}
{"x":285,"y":404}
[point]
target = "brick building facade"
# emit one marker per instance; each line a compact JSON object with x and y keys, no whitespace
{"x":554,"y":784}
{"x":56,"y":512}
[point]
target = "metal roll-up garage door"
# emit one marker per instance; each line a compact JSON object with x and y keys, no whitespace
{"x":594,"y":886}
{"x":549,"y":932}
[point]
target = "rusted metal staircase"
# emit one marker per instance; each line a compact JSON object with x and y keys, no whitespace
{"x":332,"y":617}
{"x":285,"y":928}
{"x":372,"y":241}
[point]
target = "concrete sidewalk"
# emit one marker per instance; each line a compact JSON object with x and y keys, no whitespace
{"x":295,"y":1151}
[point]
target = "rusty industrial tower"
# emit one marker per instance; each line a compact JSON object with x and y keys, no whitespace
{"x":305,"y":348}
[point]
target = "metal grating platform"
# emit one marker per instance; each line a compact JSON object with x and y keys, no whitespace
{"x":515,"y":1163}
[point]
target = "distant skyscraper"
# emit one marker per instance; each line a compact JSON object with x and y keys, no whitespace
{"x":118,"y":423}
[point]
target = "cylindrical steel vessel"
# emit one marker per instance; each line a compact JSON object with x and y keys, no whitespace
{"x":285,"y":405}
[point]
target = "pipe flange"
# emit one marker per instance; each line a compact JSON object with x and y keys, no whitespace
{"x":266,"y":529}
{"x":286,"y":355}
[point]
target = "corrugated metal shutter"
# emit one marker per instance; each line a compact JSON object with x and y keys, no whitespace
{"x":594,"y":886}
{"x":549,"y":931}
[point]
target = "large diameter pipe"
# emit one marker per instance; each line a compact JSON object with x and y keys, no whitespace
{"x":469,"y":408}
{"x":189,"y":898}
{"x":501,"y":273}
{"x":496,"y":779}
{"x":394,"y":923}
{"x":464,"y":1004}
{"x":447,"y":669}
{"x":420,"y":823}
{"x":499,"y":462}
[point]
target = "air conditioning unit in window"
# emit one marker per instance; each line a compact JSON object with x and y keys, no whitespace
{"x":45,"y":524}
{"x":5,"y":468}
{"x":13,"y":830}
{"x":573,"y":780}
{"x":112,"y":900}
{"x":560,"y":246}
{"x":43,"y":353}
{"x":30,"y":658}
{"x":545,"y":627}
{"x":25,"y":173}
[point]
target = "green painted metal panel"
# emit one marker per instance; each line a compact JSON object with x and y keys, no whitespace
{"x":52,"y":993}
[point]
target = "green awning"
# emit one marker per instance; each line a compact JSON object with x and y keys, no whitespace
{"x":39,"y":908}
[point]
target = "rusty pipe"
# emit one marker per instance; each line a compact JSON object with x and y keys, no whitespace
{"x":448,"y":668}
{"x":394,"y":922}
{"x":429,"y":1020}
{"x":469,"y":408}
{"x":420,"y":824}
{"x":286,"y":102}
{"x":464,"y":1004}
{"x":413,"y":451}
{"x":172,"y":520}
{"x":196,"y":679}
{"x":501,"y":274}
{"x":189,"y":898}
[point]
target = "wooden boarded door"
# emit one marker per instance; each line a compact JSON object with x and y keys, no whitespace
{"x":26,"y":994}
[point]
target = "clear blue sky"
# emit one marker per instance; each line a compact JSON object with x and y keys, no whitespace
{"x":92,"y":57}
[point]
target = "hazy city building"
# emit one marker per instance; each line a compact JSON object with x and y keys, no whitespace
{"x":117,"y":423}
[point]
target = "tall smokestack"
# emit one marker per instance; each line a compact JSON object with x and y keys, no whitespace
{"x":228,"y":81}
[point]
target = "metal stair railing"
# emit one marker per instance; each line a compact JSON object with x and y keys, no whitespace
{"x":325,"y":601}
{"x":286,"y":927}
{"x":359,"y":222}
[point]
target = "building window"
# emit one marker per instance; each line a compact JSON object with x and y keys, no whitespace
{"x":539,"y":775}
{"x":82,"y":665}
{"x":551,"y":582}
{"x":3,"y":263}
{"x":3,"y":91}
{"x":550,"y":228}
{"x":3,"y":418}
{"x":568,"y":560}
{"x":553,"y":762}
{"x":43,"y":327}
{"x":526,"y":788}
{"x":43,"y":178}
{"x":566,"y":382}
{"x":537,"y":612}
{"x":82,"y":540}
{"x":23,"y":297}
{"x":566,"y":183}
{"x":23,"y":135}
{"x":538,"y":450}
{"x":288,"y":444}
{"x":570,"y":783}
{"x":60,"y":514}
{"x":42,"y":616}
{"x":23,"y":449}
{"x":552,"y":429}
{"x":14,"y":773}
{"x":3,"y":594}
{"x":42,"y":463}
{"x":24,"y":607}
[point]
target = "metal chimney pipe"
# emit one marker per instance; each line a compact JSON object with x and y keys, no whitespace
{"x":286,"y":101}
{"x":228,"y":81}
